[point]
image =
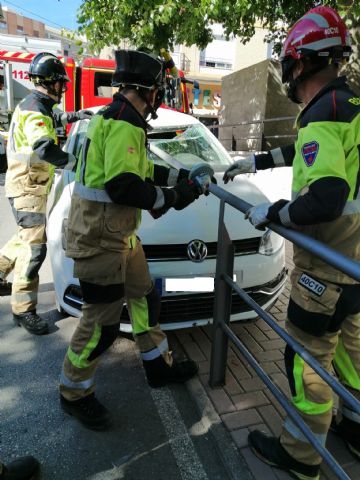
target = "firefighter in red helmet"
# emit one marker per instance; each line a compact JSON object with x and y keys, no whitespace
{"x":324,"y":306}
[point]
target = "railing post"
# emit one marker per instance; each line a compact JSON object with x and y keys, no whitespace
{"x":222,"y":303}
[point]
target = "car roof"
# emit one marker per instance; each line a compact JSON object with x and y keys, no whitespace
{"x":167,"y":118}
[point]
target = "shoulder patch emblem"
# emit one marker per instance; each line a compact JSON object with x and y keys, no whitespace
{"x":309,"y":152}
{"x":40,"y":124}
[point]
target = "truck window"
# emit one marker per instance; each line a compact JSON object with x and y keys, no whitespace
{"x":102,"y":84}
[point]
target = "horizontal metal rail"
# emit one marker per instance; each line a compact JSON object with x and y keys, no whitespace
{"x":329,"y":255}
{"x":256,"y":122}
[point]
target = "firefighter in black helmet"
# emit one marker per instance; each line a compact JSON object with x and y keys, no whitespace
{"x":114,"y":182}
{"x":32,"y":155}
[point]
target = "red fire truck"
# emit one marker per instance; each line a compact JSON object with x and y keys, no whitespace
{"x":90,"y":83}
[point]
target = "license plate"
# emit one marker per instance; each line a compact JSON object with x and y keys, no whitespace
{"x":176,"y":286}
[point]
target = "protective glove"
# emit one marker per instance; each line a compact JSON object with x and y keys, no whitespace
{"x":242,"y":165}
{"x":186,"y":193}
{"x":179,"y":197}
{"x":85,"y":114}
{"x":264,"y":213}
{"x":71,"y":117}
{"x":257,"y":215}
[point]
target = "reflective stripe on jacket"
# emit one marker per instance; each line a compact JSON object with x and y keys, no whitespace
{"x":114,"y":147}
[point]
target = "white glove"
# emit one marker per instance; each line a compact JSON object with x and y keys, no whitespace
{"x":242,"y":165}
{"x":257,"y":215}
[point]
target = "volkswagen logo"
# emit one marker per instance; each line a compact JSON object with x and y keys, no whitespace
{"x":197,"y":251}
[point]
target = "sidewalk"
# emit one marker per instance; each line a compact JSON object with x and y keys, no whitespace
{"x":244,"y":403}
{"x":158,"y":434}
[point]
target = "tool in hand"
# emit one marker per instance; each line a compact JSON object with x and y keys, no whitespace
{"x":201,"y":174}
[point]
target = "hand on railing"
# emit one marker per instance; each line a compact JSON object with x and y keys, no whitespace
{"x":243,"y":165}
{"x":257,"y":215}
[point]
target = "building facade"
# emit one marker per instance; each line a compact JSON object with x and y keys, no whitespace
{"x":29,"y":35}
{"x":220,"y":58}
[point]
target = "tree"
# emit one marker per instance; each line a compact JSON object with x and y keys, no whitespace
{"x":162,"y":24}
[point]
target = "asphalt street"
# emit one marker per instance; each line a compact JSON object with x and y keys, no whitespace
{"x":168,"y":433}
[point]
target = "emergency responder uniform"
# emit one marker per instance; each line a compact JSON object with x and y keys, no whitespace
{"x":114,"y":181}
{"x":32,"y":154}
{"x":23,"y":468}
{"x":324,"y":307}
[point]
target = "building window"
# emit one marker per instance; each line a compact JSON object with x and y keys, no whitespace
{"x":215,"y":64}
{"x":19,"y":29}
{"x":36,"y":34}
{"x":3,"y":25}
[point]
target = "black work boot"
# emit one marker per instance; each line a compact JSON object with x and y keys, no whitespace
{"x":23,"y":468}
{"x":270,"y":451}
{"x":89,"y":411}
{"x":32,"y":323}
{"x":349,"y":433}
{"x":5,"y":288}
{"x":159,"y":373}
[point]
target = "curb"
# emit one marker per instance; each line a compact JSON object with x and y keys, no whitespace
{"x":232,"y":458}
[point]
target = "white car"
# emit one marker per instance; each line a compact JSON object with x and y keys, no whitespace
{"x":180,"y":247}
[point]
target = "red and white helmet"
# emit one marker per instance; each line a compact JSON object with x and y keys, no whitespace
{"x":320,"y":32}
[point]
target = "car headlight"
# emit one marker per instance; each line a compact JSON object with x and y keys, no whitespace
{"x":270,"y":243}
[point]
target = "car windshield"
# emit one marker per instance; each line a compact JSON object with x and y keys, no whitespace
{"x":188,"y":145}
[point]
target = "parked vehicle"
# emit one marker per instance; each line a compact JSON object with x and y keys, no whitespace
{"x":180,"y":246}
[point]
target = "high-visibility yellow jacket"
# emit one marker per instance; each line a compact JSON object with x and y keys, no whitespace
{"x":32,"y":150}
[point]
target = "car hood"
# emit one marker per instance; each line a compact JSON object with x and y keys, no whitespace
{"x":200,"y":219}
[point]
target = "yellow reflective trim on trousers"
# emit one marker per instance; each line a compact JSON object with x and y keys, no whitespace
{"x":300,"y":401}
{"x":81,"y":361}
{"x":132,"y":241}
{"x":139,"y":315}
{"x":301,"y":476}
{"x":344,"y":367}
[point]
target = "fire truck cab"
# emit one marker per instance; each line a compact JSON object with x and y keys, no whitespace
{"x":89,"y":86}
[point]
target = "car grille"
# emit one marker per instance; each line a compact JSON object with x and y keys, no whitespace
{"x":178,"y":251}
{"x":190,"y":307}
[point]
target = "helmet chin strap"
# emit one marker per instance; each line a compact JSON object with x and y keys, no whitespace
{"x":149,"y":110}
{"x":294,"y":83}
{"x":50,"y":89}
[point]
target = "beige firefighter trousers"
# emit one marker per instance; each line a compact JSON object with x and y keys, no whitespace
{"x":312,"y":396}
{"x":25,"y":252}
{"x":116,"y":277}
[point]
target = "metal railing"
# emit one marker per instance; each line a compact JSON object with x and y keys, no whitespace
{"x":222,"y":332}
{"x":259,"y":136}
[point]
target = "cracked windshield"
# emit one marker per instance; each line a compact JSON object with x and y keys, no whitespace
{"x":189,"y":145}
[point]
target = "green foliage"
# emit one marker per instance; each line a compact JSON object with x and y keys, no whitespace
{"x":166,"y":23}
